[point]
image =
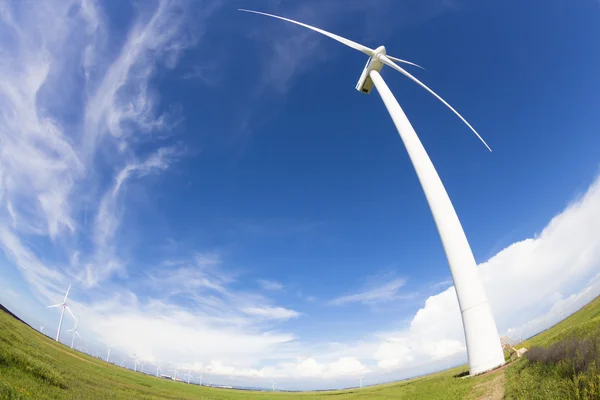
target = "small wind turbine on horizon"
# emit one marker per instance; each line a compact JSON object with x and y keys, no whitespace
{"x":481,"y":334}
{"x":201,"y":377}
{"x":135,"y":362}
{"x":174,"y":370}
{"x":361,"y":379}
{"x":189,"y":376}
{"x":108,"y":354}
{"x":158,"y":368}
{"x":75,"y":332}
{"x":273,"y":386}
{"x":62,"y":313}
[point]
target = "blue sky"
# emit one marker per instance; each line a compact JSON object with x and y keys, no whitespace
{"x":223,"y":200}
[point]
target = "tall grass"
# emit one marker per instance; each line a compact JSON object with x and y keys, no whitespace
{"x":567,"y":369}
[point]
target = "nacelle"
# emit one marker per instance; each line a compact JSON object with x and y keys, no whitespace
{"x":365,"y":84}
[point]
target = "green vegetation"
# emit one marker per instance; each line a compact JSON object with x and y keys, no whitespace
{"x":564,"y":362}
{"x":33,"y":366}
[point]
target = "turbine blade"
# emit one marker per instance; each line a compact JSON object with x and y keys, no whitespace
{"x":67,"y":294}
{"x":387,"y":61}
{"x":404,"y":61}
{"x":70,"y":330}
{"x":78,"y":335}
{"x":55,"y":305}
{"x":70,"y":312}
{"x":347,"y":42}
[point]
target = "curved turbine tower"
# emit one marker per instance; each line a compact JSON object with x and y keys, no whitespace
{"x":481,"y":335}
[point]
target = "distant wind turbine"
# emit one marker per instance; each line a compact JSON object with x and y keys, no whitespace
{"x":108,"y":354}
{"x":62,"y":313}
{"x":361,"y":379}
{"x":273,"y":386}
{"x":189,"y":376}
{"x":201,"y":377}
{"x":174,"y":370}
{"x":483,"y":342}
{"x":142,"y":369}
{"x":41,"y":328}
{"x":75,"y":332}
{"x":158,"y":369}
{"x":135,"y":362}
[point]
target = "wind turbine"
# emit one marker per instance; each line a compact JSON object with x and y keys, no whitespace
{"x":142,"y":369}
{"x":158,"y":368}
{"x":174,"y":370}
{"x":108,"y":354}
{"x":361,"y":378}
{"x":62,"y":314}
{"x":189,"y":376}
{"x":75,"y":332}
{"x":483,"y":342}
{"x":41,"y":328}
{"x":135,"y":362}
{"x":273,"y":386}
{"x":201,"y":377}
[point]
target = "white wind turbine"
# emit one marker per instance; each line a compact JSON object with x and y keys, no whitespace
{"x":189,"y":376}
{"x":108,"y":354}
{"x":201,"y":377}
{"x":158,"y":368}
{"x":135,"y":362}
{"x":75,"y":332}
{"x":361,"y":378}
{"x":41,"y":328}
{"x":273,"y":386}
{"x":483,"y":343}
{"x":62,"y":313}
{"x":174,"y":370}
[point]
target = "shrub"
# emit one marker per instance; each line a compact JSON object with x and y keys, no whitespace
{"x":575,"y":361}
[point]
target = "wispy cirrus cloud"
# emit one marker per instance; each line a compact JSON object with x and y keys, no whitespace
{"x":382,"y":292}
{"x":270,"y":284}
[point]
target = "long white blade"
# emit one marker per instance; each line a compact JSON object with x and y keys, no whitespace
{"x":404,"y":61}
{"x":67,"y":294}
{"x":55,"y":305}
{"x":78,"y":335}
{"x":70,"y":330}
{"x":387,"y":61}
{"x":69,"y":310}
{"x":347,"y":42}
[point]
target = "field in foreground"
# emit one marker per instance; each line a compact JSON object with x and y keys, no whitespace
{"x":564,"y":362}
{"x":33,"y":366}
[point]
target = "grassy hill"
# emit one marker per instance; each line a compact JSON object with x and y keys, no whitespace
{"x":564,"y":362}
{"x":33,"y":366}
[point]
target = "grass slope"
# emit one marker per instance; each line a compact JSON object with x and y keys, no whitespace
{"x":566,"y":365}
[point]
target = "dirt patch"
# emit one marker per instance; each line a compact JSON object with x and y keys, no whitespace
{"x":492,"y":389}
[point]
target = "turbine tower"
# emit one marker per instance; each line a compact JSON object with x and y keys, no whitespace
{"x":75,"y":332}
{"x":158,"y":368}
{"x":481,"y":334}
{"x":201,"y":377}
{"x":189,"y":376}
{"x":62,"y":313}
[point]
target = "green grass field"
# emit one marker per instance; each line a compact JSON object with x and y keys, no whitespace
{"x":33,"y":366}
{"x":573,"y":371}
